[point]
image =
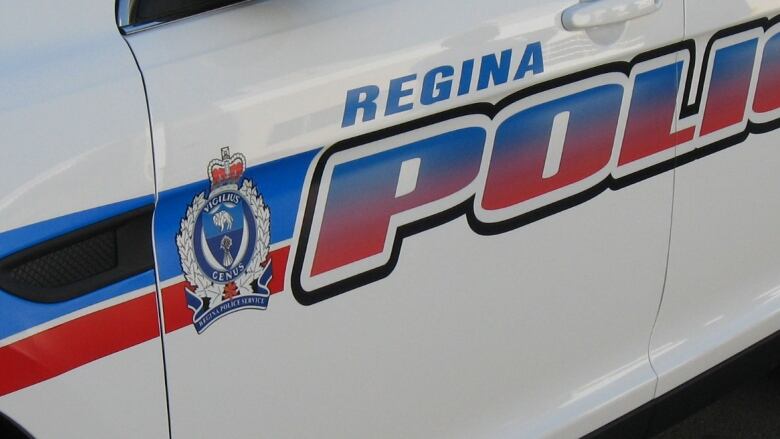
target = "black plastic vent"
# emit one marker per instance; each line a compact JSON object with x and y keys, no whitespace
{"x":82,"y":261}
{"x":71,"y":264}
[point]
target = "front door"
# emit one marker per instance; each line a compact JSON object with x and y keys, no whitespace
{"x":411,"y":219}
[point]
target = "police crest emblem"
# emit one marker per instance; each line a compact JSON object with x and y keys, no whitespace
{"x":223,"y":244}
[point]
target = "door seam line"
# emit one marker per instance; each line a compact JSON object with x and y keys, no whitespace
{"x":160,"y":324}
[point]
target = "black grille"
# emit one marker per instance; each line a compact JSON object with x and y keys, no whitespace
{"x":70,"y":264}
{"x":83,"y":261}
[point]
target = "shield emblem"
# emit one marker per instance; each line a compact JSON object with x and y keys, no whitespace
{"x":224,"y":237}
{"x":223,"y":245}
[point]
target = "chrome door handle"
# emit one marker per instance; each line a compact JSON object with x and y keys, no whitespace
{"x":594,"y":13}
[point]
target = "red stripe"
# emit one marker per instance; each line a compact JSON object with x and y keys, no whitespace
{"x":177,"y":315}
{"x":77,"y":342}
{"x":175,"y":311}
{"x":279,"y":259}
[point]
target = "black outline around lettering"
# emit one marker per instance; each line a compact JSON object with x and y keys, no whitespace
{"x":466,"y":208}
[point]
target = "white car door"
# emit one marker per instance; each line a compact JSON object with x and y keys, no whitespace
{"x":409,"y":219}
{"x":721,"y":292}
{"x":80,"y":347}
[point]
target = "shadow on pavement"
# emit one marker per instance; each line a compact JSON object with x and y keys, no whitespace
{"x":752,"y":411}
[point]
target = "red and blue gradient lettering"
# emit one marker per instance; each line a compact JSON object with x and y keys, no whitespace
{"x":362,"y":196}
{"x":652,"y":113}
{"x":520,"y":149}
{"x":527,"y":166}
{"x":732,"y":72}
{"x":768,"y":88}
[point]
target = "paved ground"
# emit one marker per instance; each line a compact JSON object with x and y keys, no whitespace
{"x":749,"y":412}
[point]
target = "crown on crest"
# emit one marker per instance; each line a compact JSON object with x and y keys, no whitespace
{"x":226,"y":172}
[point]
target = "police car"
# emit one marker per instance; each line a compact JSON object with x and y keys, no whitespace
{"x":375,"y":218}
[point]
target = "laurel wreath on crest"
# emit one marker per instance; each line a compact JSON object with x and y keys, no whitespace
{"x":263,"y":228}
{"x":255,"y":267}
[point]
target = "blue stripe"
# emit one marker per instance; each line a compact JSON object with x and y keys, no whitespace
{"x":280,"y":182}
{"x":15,"y":240}
{"x":17,"y":314}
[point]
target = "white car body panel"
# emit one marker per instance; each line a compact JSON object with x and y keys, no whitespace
{"x":119,"y":396}
{"x":75,"y":138}
{"x":449,"y":345}
{"x":66,"y":73}
{"x":492,"y":305}
{"x":721,"y":292}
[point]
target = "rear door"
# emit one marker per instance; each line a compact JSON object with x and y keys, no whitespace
{"x":410,"y":219}
{"x":721,"y":294}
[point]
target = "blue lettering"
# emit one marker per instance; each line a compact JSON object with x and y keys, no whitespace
{"x":443,"y":89}
{"x":465,"y":77}
{"x":361,"y":98}
{"x":397,"y":92}
{"x":439,"y":84}
{"x":492,"y":68}
{"x":533,"y":61}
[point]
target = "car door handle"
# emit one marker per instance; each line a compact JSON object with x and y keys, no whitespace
{"x":594,"y":13}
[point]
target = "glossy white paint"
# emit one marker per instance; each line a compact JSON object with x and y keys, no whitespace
{"x":541,"y":332}
{"x":708,"y":16}
{"x":119,"y":396}
{"x":722,"y":288}
{"x":587,"y":15}
{"x":288,"y":93}
{"x":75,"y":136}
{"x":73,"y":116}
